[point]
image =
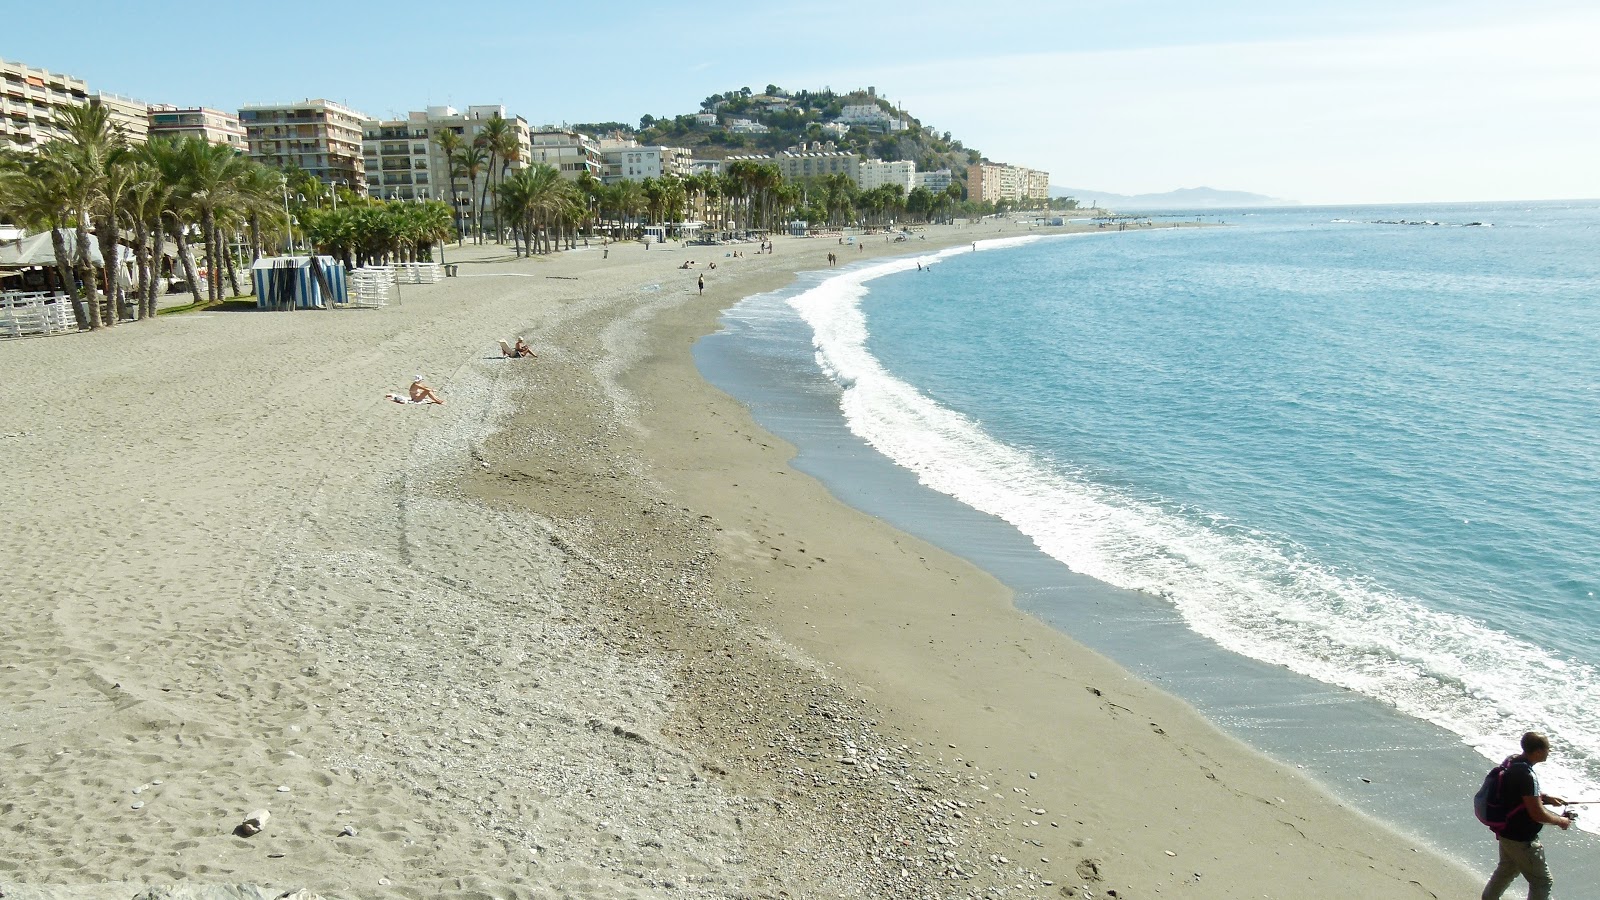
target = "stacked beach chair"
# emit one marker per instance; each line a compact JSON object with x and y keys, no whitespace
{"x":419,"y":273}
{"x":35,"y":312}
{"x":369,"y":287}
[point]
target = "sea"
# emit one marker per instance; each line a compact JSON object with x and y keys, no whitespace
{"x":1329,"y":474}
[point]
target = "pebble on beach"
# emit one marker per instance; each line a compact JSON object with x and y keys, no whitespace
{"x":253,"y":823}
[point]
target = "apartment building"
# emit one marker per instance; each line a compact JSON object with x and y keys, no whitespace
{"x":814,"y":160}
{"x":403,"y":160}
{"x":992,"y":182}
{"x":572,"y":153}
{"x":130,"y":116}
{"x":322,"y":137}
{"x":29,"y":98}
{"x":627,"y":160}
{"x":936,"y":181}
{"x":877,"y":173}
{"x":211,"y":125}
{"x":398,"y":160}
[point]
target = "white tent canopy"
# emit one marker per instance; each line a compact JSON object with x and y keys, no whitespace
{"x":37,"y":250}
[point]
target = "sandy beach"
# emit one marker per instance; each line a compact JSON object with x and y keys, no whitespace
{"x":580,"y":632}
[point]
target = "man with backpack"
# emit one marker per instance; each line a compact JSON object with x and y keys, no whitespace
{"x":1515,"y":810}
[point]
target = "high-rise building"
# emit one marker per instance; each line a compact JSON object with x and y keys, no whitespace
{"x":319,"y":136}
{"x":131,"y":117}
{"x":211,"y":125}
{"x":399,"y":159}
{"x":992,"y":182}
{"x":29,"y":99}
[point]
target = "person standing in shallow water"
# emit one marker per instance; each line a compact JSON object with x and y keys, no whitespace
{"x":1520,"y":850}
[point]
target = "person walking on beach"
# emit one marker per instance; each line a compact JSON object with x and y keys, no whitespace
{"x":702,"y":284}
{"x":1520,"y":850}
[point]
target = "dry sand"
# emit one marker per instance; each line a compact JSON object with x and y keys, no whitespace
{"x":580,"y":632}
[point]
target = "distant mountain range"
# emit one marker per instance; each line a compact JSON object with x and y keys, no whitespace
{"x":1183,"y":198}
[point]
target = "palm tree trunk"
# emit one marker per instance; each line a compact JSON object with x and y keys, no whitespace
{"x":58,"y":241}
{"x":208,"y":235}
{"x":141,"y":261}
{"x":85,"y":269}
{"x":107,"y":232}
{"x":158,"y":259}
{"x":233,"y":273}
{"x":255,"y":237}
{"x":186,"y":255}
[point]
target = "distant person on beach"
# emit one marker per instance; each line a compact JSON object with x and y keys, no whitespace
{"x":702,"y":284}
{"x":1520,"y":850}
{"x":422,"y":393}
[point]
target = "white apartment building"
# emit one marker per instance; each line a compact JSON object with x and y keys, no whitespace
{"x":626,"y":160}
{"x":876,"y":173}
{"x":870,"y":116}
{"x":29,"y":98}
{"x":935,"y":181}
{"x":399,"y":159}
{"x":813,"y":160}
{"x":130,"y":116}
{"x":572,"y":153}
{"x":322,"y":137}
{"x":747,"y":126}
{"x":211,"y":125}
{"x":706,"y":119}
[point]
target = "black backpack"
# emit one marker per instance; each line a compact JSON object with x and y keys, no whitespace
{"x":1489,"y":803}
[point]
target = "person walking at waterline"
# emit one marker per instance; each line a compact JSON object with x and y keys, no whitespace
{"x":1525,"y":813}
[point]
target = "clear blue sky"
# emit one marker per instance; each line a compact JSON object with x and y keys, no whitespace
{"x":1354,"y":101}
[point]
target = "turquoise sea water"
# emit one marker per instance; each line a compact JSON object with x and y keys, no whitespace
{"x":1363,"y":451}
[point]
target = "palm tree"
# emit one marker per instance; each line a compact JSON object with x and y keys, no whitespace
{"x":32,"y":195}
{"x":119,"y":174}
{"x":492,"y":138}
{"x":450,"y":145}
{"x":471,"y":159}
{"x":172,"y":160}
{"x":80,"y":162}
{"x":143,"y":200}
{"x":433,"y":224}
{"x":508,"y":146}
{"x":212,"y":177}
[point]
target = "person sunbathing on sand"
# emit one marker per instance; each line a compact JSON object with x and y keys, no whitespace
{"x":520,"y":351}
{"x":422,"y":393}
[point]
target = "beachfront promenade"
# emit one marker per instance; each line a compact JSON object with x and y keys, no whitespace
{"x":579,"y":632}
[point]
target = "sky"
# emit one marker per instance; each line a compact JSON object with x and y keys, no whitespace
{"x":1359,"y":101}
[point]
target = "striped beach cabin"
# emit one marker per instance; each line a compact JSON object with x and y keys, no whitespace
{"x":299,"y":282}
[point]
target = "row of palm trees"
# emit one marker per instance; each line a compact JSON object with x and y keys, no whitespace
{"x":149,"y":195}
{"x":374,"y":232}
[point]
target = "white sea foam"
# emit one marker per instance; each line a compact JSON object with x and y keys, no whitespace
{"x":1249,"y":593}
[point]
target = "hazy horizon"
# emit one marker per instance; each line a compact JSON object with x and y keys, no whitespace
{"x":1366,"y":103}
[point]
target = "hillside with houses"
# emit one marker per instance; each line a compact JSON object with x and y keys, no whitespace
{"x":744,"y":123}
